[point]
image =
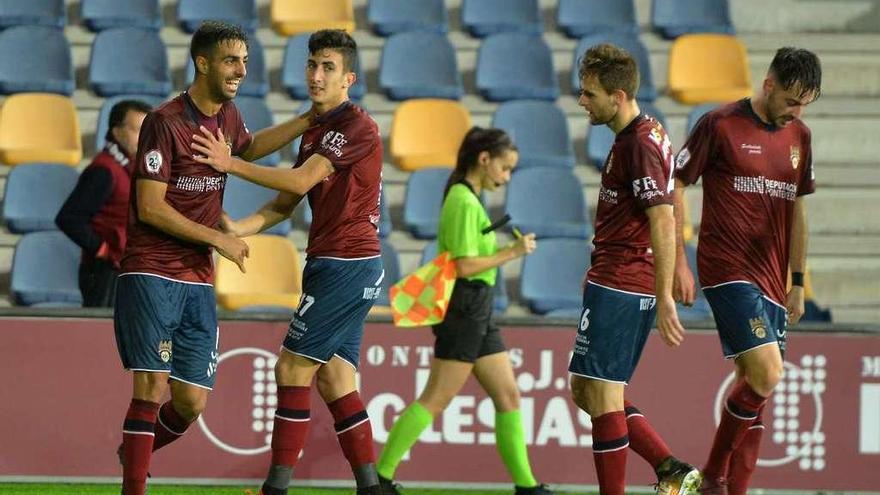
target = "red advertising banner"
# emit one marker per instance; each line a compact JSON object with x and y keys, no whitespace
{"x":64,"y":397}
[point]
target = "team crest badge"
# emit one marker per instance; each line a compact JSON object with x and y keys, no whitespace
{"x":758,"y":327}
{"x":153,"y":161}
{"x":795,"y":156}
{"x":165,"y":351}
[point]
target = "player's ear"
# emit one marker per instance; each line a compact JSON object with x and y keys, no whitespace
{"x":350,"y":79}
{"x":201,"y":65}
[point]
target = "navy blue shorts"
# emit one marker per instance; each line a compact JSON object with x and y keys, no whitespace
{"x":613,"y":329}
{"x":745,"y":318}
{"x":167,"y":326}
{"x":337,"y":295}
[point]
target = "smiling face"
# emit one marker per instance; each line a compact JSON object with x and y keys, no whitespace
{"x":327,"y":77}
{"x":225,"y":69}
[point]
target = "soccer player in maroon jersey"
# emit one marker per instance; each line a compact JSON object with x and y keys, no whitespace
{"x":165,"y":314}
{"x":339,"y":167}
{"x":630,"y":276}
{"x":755,"y":160}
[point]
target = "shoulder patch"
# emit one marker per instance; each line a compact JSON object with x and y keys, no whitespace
{"x":683,"y":157}
{"x":153,"y":161}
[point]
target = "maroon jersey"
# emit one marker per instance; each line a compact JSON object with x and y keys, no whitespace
{"x":345,"y":205}
{"x":637,"y":176}
{"x":195,"y":190}
{"x":752,"y":174}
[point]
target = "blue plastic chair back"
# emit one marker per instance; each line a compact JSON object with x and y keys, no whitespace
{"x":35,"y":59}
{"x":98,"y":15}
{"x":579,"y":18}
{"x":242,"y":198}
{"x":514,"y":66}
{"x":129,"y":61}
{"x":552,"y":275}
{"x":388,"y":17}
{"x":423,"y":201}
{"x":191,"y":13}
{"x":673,"y":18}
{"x":487,"y":17}
{"x":419,"y":64}
{"x":50,"y":13}
{"x":549,"y":202}
{"x":540,"y":131}
{"x":34,"y":194}
{"x":45,"y":271}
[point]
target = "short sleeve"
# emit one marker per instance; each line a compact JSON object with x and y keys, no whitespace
{"x":460,"y":222}
{"x":807,"y":184}
{"x":243,"y":136}
{"x":697,"y":152}
{"x":155,"y":149}
{"x":649,"y":173}
{"x":348,"y":142}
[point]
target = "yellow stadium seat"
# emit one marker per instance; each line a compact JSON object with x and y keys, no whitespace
{"x":427,"y":133}
{"x":39,"y":127}
{"x":708,"y":68}
{"x":292,"y":17}
{"x":273,"y":277}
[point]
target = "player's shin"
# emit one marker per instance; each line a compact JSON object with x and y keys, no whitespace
{"x":355,"y":435}
{"x":290,"y":429}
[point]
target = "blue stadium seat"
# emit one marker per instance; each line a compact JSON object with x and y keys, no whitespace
{"x":293,"y":70}
{"x":34,"y":193}
{"x":500,"y":299}
{"x":540,"y":131}
{"x":388,"y":17}
{"x":629,"y":42}
{"x":601,"y":137}
{"x":129,"y":61}
{"x":391,"y":264}
{"x":35,"y":59}
{"x":423,"y":201}
{"x":241,"y":198}
{"x":51,"y":13}
{"x":487,"y":17}
{"x":45,"y":271}
{"x":552,"y":275}
{"x":697,"y":112}
{"x":108,"y":14}
{"x":579,"y":18}
{"x":418,"y":64}
{"x":514,"y":66}
{"x":256,"y":115}
{"x":549,"y":202}
{"x":243,"y":13}
{"x":673,"y":18}
{"x":256,"y":83}
{"x":104,"y":113}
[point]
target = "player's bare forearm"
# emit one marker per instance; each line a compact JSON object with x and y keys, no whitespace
{"x":153,"y":210}
{"x":678,"y":209}
{"x":276,"y":210}
{"x":296,"y":181}
{"x":662,"y":223}
{"x":799,"y":233}
{"x":273,"y":138}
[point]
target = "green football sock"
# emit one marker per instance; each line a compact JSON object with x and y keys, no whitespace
{"x":510,"y":439}
{"x":403,"y":435}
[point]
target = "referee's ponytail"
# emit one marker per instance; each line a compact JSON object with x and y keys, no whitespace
{"x":477,"y":140}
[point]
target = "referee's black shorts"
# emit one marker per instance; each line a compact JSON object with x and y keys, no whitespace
{"x":468,"y":332}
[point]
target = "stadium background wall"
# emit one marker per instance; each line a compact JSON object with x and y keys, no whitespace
{"x":63,"y":380}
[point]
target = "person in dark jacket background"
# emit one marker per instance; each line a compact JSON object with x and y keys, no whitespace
{"x":96,"y":212}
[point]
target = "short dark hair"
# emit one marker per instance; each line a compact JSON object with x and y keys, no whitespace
{"x":613,"y":66}
{"x":798,"y":67}
{"x":210,"y":34}
{"x":477,"y":140}
{"x":335,"y":39}
{"x":120,"y":110}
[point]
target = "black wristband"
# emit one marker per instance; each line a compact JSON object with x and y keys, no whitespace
{"x":797,"y":279}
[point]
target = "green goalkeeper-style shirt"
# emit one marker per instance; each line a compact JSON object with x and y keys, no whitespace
{"x":462,"y":221}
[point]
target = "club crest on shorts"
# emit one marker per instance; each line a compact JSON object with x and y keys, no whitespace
{"x":165,"y":350}
{"x":795,"y":156}
{"x":758,"y":327}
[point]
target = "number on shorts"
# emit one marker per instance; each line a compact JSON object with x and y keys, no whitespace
{"x":585,"y":320}
{"x":305,"y":303}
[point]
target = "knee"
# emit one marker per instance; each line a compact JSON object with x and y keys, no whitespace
{"x":506,"y":399}
{"x":763,"y":379}
{"x":435,"y":403}
{"x":580,"y":394}
{"x":189,"y":407}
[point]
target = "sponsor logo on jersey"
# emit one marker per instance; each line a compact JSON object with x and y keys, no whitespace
{"x":795,"y":156}
{"x":752,"y":149}
{"x":153,"y":161}
{"x":646,"y":188}
{"x":199,"y":184}
{"x":334,"y":141}
{"x":165,"y":350}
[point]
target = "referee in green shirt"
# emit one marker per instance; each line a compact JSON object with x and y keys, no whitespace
{"x":468,"y":341}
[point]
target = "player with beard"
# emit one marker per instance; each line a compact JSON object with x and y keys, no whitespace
{"x":630,"y":276}
{"x":756,"y":163}
{"x":165,"y":314}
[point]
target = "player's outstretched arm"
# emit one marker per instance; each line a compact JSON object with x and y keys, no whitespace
{"x":794,"y":301}
{"x":296,"y":181}
{"x":271,"y":139}
{"x":683,"y":287}
{"x":153,"y":210}
{"x":662,"y":222}
{"x":276,"y":210}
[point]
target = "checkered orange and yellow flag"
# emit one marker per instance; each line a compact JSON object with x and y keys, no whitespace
{"x":421,"y":298}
